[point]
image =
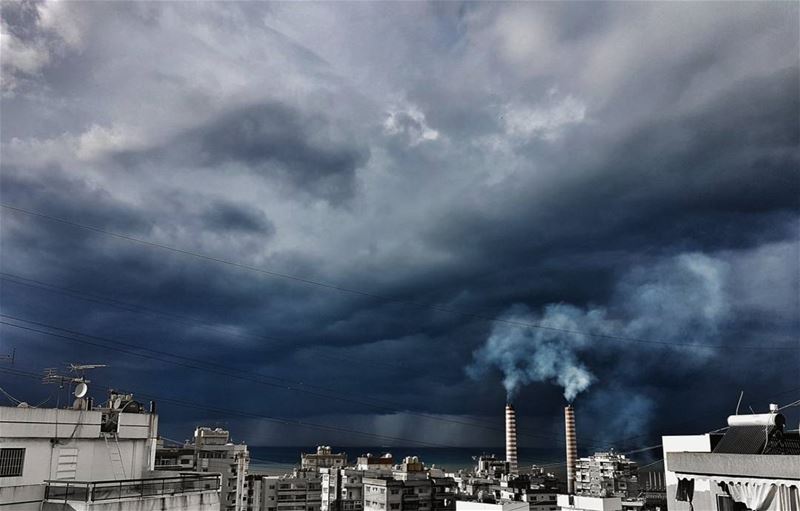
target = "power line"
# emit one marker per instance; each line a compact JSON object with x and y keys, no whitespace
{"x":279,"y":420}
{"x":257,"y":378}
{"x":11,"y":398}
{"x":280,"y":383}
{"x":303,"y":387}
{"x":284,"y":421}
{"x":139,"y":309}
{"x":357,"y":292}
{"x":388,"y":405}
{"x":795,"y":403}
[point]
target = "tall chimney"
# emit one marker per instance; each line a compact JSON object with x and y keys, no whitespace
{"x":511,"y":438}
{"x":572,"y":447}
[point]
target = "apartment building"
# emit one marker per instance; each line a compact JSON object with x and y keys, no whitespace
{"x":323,"y":458}
{"x":755,"y":464}
{"x":299,"y":491}
{"x":607,"y":474}
{"x":212,"y":451}
{"x":91,"y":459}
{"x":411,"y":488}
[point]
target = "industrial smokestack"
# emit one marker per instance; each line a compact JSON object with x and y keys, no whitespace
{"x":511,"y":438}
{"x":572,"y":447}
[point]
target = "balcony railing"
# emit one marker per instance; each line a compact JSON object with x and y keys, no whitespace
{"x":96,"y":491}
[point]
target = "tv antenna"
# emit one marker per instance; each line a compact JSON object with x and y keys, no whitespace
{"x":82,"y":368}
{"x":51,"y":376}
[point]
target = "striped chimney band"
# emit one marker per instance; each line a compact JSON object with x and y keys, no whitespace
{"x":572,"y":447}
{"x":511,"y":438}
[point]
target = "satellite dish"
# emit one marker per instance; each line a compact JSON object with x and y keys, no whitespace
{"x":80,"y":390}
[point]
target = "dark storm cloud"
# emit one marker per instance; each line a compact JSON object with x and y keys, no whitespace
{"x":71,"y":198}
{"x":480,"y":168}
{"x":227,"y":216}
{"x":678,"y":182}
{"x":309,"y":152}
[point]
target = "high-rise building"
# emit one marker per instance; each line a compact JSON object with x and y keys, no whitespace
{"x":607,"y":474}
{"x":343,"y":488}
{"x":211,"y":450}
{"x":409,"y":488}
{"x":299,"y":491}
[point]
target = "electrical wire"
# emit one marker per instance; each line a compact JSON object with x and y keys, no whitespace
{"x":252,"y":415}
{"x":280,"y":420}
{"x":651,"y":463}
{"x":795,"y":403}
{"x":294,"y":422}
{"x":280,"y":383}
{"x":10,"y":397}
{"x":357,"y":292}
{"x":134,"y":308}
{"x":274,"y":342}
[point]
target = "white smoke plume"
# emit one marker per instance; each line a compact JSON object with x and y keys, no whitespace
{"x":527,"y":355}
{"x":682,"y":299}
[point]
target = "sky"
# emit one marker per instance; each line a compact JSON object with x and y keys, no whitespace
{"x":373,"y":223}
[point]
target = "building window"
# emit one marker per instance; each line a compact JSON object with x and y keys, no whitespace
{"x":11,"y":462}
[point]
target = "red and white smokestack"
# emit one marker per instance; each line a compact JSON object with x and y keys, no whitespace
{"x":572,"y":447}
{"x":511,"y":438}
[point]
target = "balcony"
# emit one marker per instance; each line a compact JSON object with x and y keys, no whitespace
{"x":200,"y":490}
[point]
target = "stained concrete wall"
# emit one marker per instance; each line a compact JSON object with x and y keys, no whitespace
{"x":205,"y":501}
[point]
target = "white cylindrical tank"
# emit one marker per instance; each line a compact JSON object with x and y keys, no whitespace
{"x":757,"y":419}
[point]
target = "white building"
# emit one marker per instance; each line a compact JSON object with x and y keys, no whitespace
{"x":298,"y":491}
{"x":212,"y":451}
{"x":368,"y":462}
{"x":538,"y":492}
{"x":409,"y":488}
{"x":488,"y":466}
{"x":463,"y":505}
{"x":323,"y":458}
{"x":607,"y":474}
{"x":589,"y":503}
{"x":58,"y":457}
{"x":755,"y":465}
{"x":343,"y":489}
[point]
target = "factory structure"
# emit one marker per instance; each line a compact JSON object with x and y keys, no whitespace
{"x":105,"y":457}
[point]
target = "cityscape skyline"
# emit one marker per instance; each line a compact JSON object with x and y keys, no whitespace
{"x":387,"y":220}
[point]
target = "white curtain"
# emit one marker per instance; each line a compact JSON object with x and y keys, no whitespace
{"x":786,"y":499}
{"x":765,"y":496}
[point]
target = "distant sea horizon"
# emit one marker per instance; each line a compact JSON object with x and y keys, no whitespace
{"x":282,"y":459}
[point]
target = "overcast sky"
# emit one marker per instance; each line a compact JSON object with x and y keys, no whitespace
{"x":625,"y":170}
